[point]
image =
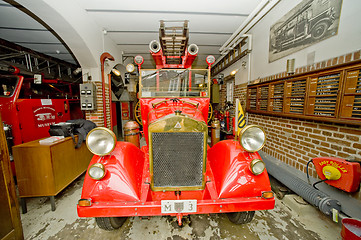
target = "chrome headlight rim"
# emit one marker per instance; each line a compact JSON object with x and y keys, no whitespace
{"x":97,"y":165}
{"x":244,"y":130}
{"x":109,"y":132}
{"x":253,"y":163}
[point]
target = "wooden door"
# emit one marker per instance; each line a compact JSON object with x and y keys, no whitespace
{"x":10,"y":224}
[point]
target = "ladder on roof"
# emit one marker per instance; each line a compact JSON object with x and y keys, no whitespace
{"x":174,"y":40}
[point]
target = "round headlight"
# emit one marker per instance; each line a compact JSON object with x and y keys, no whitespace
{"x":97,"y":171}
{"x":210,"y":59}
{"x":257,"y":166}
{"x":252,"y":138}
{"x":130,"y":68}
{"x":138,"y":60}
{"x":101,"y":141}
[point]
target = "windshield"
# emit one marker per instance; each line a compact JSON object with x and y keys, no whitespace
{"x":8,"y":85}
{"x":174,"y":83}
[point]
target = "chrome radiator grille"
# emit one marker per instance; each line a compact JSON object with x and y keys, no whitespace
{"x":178,"y":159}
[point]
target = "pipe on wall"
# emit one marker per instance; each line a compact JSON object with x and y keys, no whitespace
{"x":110,"y":101}
{"x":103,"y":57}
{"x":261,"y":10}
{"x":250,"y":40}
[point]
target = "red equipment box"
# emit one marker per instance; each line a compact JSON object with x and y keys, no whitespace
{"x":342,"y":174}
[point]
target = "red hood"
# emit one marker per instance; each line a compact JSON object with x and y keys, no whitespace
{"x":153,"y":109}
{"x":161,"y":112}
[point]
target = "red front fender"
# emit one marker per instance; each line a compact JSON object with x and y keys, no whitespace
{"x":123,"y":177}
{"x":230,"y":164}
{"x":125,"y":189}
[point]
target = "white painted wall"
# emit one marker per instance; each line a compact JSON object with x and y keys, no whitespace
{"x":347,"y":40}
{"x":79,"y":31}
{"x":242,"y":66}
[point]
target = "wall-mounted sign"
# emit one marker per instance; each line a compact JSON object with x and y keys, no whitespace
{"x":37,"y":78}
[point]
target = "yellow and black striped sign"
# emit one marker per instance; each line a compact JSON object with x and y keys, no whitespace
{"x":241,"y":120}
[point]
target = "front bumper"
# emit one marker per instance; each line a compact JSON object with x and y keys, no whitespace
{"x":127,"y":209}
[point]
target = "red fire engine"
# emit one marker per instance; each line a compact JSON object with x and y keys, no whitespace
{"x":29,"y":108}
{"x":176,"y":173}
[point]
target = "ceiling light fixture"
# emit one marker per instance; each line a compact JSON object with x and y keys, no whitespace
{"x":234,"y":72}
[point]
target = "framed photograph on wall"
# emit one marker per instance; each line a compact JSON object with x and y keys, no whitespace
{"x":309,"y":22}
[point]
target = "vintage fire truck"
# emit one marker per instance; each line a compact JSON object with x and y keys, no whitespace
{"x":176,"y":173}
{"x":28,"y":108}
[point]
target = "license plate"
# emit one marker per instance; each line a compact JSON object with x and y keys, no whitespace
{"x":179,"y":206}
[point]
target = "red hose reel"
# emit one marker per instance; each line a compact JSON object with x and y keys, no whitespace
{"x":339,"y":173}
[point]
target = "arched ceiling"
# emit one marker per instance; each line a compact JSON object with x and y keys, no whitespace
{"x":68,"y":28}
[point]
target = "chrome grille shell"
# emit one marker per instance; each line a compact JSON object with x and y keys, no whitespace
{"x":177,"y":153}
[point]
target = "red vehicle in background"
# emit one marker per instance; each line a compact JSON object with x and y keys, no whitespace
{"x":28,"y":109}
{"x":176,"y":173}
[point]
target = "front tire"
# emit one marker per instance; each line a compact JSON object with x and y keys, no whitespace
{"x":319,"y":30}
{"x":110,"y":223}
{"x":240,"y":217}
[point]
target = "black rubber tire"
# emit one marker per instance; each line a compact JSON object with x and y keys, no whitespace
{"x":110,"y":223}
{"x":319,"y":30}
{"x":240,"y":217}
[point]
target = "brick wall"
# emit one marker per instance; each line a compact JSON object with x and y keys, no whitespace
{"x":296,"y":141}
{"x":240,"y":92}
{"x":97,"y":115}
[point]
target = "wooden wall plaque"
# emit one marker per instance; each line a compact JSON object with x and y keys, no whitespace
{"x":332,"y":95}
{"x":323,"y":95}
{"x":263,"y":99}
{"x":295,"y":93}
{"x":351,"y":106}
{"x":277,"y":97}
{"x":252,"y":99}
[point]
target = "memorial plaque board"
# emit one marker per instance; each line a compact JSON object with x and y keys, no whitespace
{"x":270,"y":102}
{"x":331,"y":95}
{"x":351,"y":104}
{"x":278,"y":105}
{"x":356,"y":110}
{"x":295,"y":96}
{"x":263,"y":103}
{"x":252,"y":96}
{"x":323,"y":95}
{"x":277,"y":97}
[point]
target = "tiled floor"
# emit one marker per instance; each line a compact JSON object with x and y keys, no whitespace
{"x":280,"y":223}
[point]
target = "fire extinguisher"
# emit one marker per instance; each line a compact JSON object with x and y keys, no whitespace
{"x":131,"y":133}
{"x":216,"y":132}
{"x":226,"y":116}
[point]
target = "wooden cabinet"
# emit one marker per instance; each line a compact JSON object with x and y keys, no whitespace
{"x":10,"y":224}
{"x":332,"y":95}
{"x":45,"y":170}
